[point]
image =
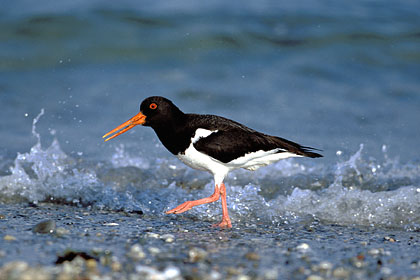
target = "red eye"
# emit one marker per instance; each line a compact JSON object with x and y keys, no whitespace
{"x":153,"y":106}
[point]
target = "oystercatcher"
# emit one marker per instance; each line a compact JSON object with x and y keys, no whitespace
{"x":211,"y":143}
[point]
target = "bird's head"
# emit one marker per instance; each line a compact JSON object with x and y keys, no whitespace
{"x":154,"y":111}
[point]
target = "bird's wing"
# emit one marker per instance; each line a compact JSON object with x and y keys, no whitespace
{"x":230,"y":140}
{"x":226,"y":146}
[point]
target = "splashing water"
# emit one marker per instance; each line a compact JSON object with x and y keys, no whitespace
{"x":49,"y":175}
{"x":355,"y":191}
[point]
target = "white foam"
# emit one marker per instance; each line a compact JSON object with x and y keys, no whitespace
{"x":353,"y":191}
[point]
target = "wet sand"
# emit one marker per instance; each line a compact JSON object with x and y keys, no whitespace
{"x":118,"y":245}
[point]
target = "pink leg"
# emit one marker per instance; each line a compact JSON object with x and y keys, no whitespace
{"x":190,"y":204}
{"x":225,"y":223}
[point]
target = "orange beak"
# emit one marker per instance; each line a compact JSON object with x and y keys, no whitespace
{"x":136,"y":120}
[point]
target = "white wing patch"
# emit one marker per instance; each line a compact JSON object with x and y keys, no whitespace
{"x":253,"y":161}
{"x":201,"y":133}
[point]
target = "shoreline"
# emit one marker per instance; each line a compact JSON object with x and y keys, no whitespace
{"x":120,"y":245}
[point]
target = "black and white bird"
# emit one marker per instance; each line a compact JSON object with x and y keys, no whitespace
{"x":210,"y":143}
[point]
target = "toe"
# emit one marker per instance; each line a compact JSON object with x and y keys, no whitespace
{"x":180,"y":208}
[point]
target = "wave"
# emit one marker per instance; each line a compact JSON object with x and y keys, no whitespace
{"x":352,"y":191}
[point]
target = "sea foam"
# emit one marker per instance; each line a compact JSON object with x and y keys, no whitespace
{"x":352,"y":191}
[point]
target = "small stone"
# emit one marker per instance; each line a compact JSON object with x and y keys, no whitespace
{"x":271,"y":274}
{"x":171,"y":272}
{"x":386,"y":270}
{"x":154,"y":251}
{"x":232,"y":270}
{"x":389,"y":239}
{"x":373,"y":252}
{"x":358,"y":263}
{"x":16,"y":268}
{"x":136,"y":252}
{"x":91,"y":265}
{"x":243,"y":277}
{"x":325,"y":266}
{"x":314,"y":277}
{"x":9,"y":238}
{"x":341,"y":272}
{"x":252,"y":256}
{"x":215,"y":275}
{"x":60,"y":232}
{"x":152,"y":235}
{"x":43,"y":227}
{"x":197,"y":254}
{"x":116,"y":266}
{"x":168,"y":238}
{"x":303,"y":247}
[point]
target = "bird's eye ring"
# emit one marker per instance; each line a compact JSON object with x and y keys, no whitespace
{"x":153,"y":106}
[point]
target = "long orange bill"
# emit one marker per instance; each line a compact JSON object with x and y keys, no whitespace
{"x":136,"y":120}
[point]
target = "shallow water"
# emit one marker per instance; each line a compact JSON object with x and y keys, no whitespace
{"x":342,"y":78}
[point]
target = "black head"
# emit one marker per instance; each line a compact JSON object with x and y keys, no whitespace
{"x":155,"y":111}
{"x":159,"y":111}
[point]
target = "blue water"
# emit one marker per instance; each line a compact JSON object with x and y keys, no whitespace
{"x":341,"y":77}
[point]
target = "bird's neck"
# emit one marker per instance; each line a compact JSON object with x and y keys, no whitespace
{"x":173,"y":134}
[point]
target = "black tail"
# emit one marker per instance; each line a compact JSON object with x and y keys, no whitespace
{"x":308,"y":152}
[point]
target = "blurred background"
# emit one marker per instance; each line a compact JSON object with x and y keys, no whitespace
{"x":326,"y":74}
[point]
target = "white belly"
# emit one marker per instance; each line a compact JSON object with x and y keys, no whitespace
{"x":201,"y":161}
{"x":250,"y":161}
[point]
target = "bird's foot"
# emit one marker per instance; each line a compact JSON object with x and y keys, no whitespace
{"x":190,"y":204}
{"x":181,"y":208}
{"x":225,"y":223}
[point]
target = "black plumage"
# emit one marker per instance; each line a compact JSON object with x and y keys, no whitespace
{"x":232,"y":140}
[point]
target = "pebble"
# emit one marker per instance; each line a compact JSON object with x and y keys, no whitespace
{"x":116,"y":266}
{"x":136,"y":253}
{"x":60,"y":232}
{"x":341,"y":273}
{"x":389,"y":239}
{"x":375,"y":251}
{"x":171,"y":272}
{"x":154,"y":251}
{"x":14,"y":268}
{"x":232,"y":270}
{"x":91,"y":265}
{"x":197,"y":254}
{"x":147,"y":272}
{"x":168,"y":238}
{"x":47,"y":226}
{"x":252,"y":256}
{"x":9,"y":238}
{"x":271,"y":274}
{"x":314,"y":277}
{"x":152,"y":235}
{"x":303,"y":247}
{"x":386,"y":270}
{"x":324,"y":267}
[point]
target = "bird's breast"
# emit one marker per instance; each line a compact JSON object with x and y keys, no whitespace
{"x":200,"y":160}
